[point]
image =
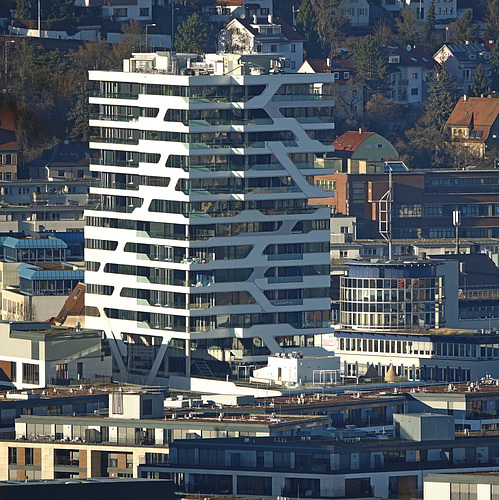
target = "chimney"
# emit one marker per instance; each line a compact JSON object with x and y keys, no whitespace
{"x":328,"y":62}
{"x":270,"y":18}
{"x":465,"y":97}
{"x":360,"y":130}
{"x":255,"y":19}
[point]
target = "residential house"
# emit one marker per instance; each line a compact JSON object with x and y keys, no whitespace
{"x":9,"y":148}
{"x":119,"y":10}
{"x":225,"y":10}
{"x":361,"y":146}
{"x":445,"y":10}
{"x":66,"y":160}
{"x":462,"y":60}
{"x":348,"y":96}
{"x":267,"y":35}
{"x":410,"y":69}
{"x":474,"y":124}
{"x":356,"y":11}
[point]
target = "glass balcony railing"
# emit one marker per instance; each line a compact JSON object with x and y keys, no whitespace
{"x":114,"y":162}
{"x":112,"y":95}
{"x":114,"y":140}
{"x":303,"y":97}
{"x":127,"y":209}
{"x":210,"y":122}
{"x":115,"y":118}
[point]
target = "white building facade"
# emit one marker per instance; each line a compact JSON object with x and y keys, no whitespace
{"x":203,"y":244}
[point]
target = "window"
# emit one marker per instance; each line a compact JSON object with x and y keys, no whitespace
{"x":273,"y":48}
{"x":120,"y":12}
{"x":414,"y":76}
{"x":336,"y":75}
{"x":12,"y":455}
{"x":414,"y":91}
{"x":8,"y":177}
{"x":293,"y":64}
{"x":30,"y":373}
{"x":346,"y":75}
{"x":144,"y":12}
{"x":28,"y":457}
{"x":293,"y":47}
{"x":147,"y":407}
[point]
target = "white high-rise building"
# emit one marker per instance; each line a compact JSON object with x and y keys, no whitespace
{"x":203,"y":253}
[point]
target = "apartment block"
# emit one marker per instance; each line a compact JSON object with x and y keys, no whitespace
{"x":203,"y":231}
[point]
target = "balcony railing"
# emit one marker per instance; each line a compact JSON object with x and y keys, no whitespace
{"x":112,"y":95}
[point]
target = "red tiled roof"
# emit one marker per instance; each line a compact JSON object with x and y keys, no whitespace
{"x":229,"y":2}
{"x":7,"y":130}
{"x":351,"y":140}
{"x":475,"y":113}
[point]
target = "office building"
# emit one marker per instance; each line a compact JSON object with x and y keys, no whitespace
{"x":203,"y":248}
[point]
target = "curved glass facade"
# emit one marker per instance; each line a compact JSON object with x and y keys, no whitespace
{"x":392,"y":296}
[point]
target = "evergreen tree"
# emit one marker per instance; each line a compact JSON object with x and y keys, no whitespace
{"x":79,"y":115}
{"x":193,"y":35}
{"x":371,"y":64}
{"x":428,"y":31}
{"x":463,"y":30}
{"x":494,"y":66}
{"x":492,"y":20}
{"x":306,"y":23}
{"x":441,"y":99}
{"x":49,"y":9}
{"x":480,"y":84}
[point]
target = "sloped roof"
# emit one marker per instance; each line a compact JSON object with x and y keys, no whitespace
{"x":74,"y":305}
{"x":461,"y":51}
{"x":286,"y":30}
{"x":415,"y":57}
{"x":351,"y":140}
{"x":477,"y":113}
{"x":7,"y":130}
{"x":32,"y":243}
{"x":322,"y":66}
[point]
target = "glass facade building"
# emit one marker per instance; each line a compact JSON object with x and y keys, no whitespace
{"x":392,"y":296}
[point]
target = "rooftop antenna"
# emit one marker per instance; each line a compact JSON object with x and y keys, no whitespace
{"x":456,"y":220}
{"x":385,"y":214}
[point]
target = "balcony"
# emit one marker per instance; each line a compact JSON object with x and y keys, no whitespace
{"x":114,"y":162}
{"x":116,"y":118}
{"x":112,"y":95}
{"x":303,"y":97}
{"x":114,"y":140}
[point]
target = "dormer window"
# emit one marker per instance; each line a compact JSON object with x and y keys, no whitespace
{"x":336,"y":75}
{"x":472,"y":56}
{"x":346,"y":75}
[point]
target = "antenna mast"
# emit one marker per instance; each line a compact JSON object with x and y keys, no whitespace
{"x":385,"y":214}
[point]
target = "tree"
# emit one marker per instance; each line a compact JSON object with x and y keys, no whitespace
{"x":441,"y":99}
{"x":480,"y":83}
{"x":407,"y":27}
{"x":80,"y":114}
{"x":383,"y":32}
{"x":492,"y":20}
{"x":49,"y":9}
{"x":306,"y":23}
{"x":371,"y":64}
{"x":193,"y":35}
{"x":494,"y":66}
{"x":463,"y":30}
{"x":330,"y":24}
{"x":133,"y":36}
{"x":428,"y":30}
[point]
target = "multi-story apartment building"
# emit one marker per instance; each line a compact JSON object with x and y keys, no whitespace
{"x":203,"y":232}
{"x":423,"y":202}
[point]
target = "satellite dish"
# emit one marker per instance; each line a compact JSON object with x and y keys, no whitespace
{"x":242,"y":16}
{"x":66,"y":142}
{"x":408,"y":48}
